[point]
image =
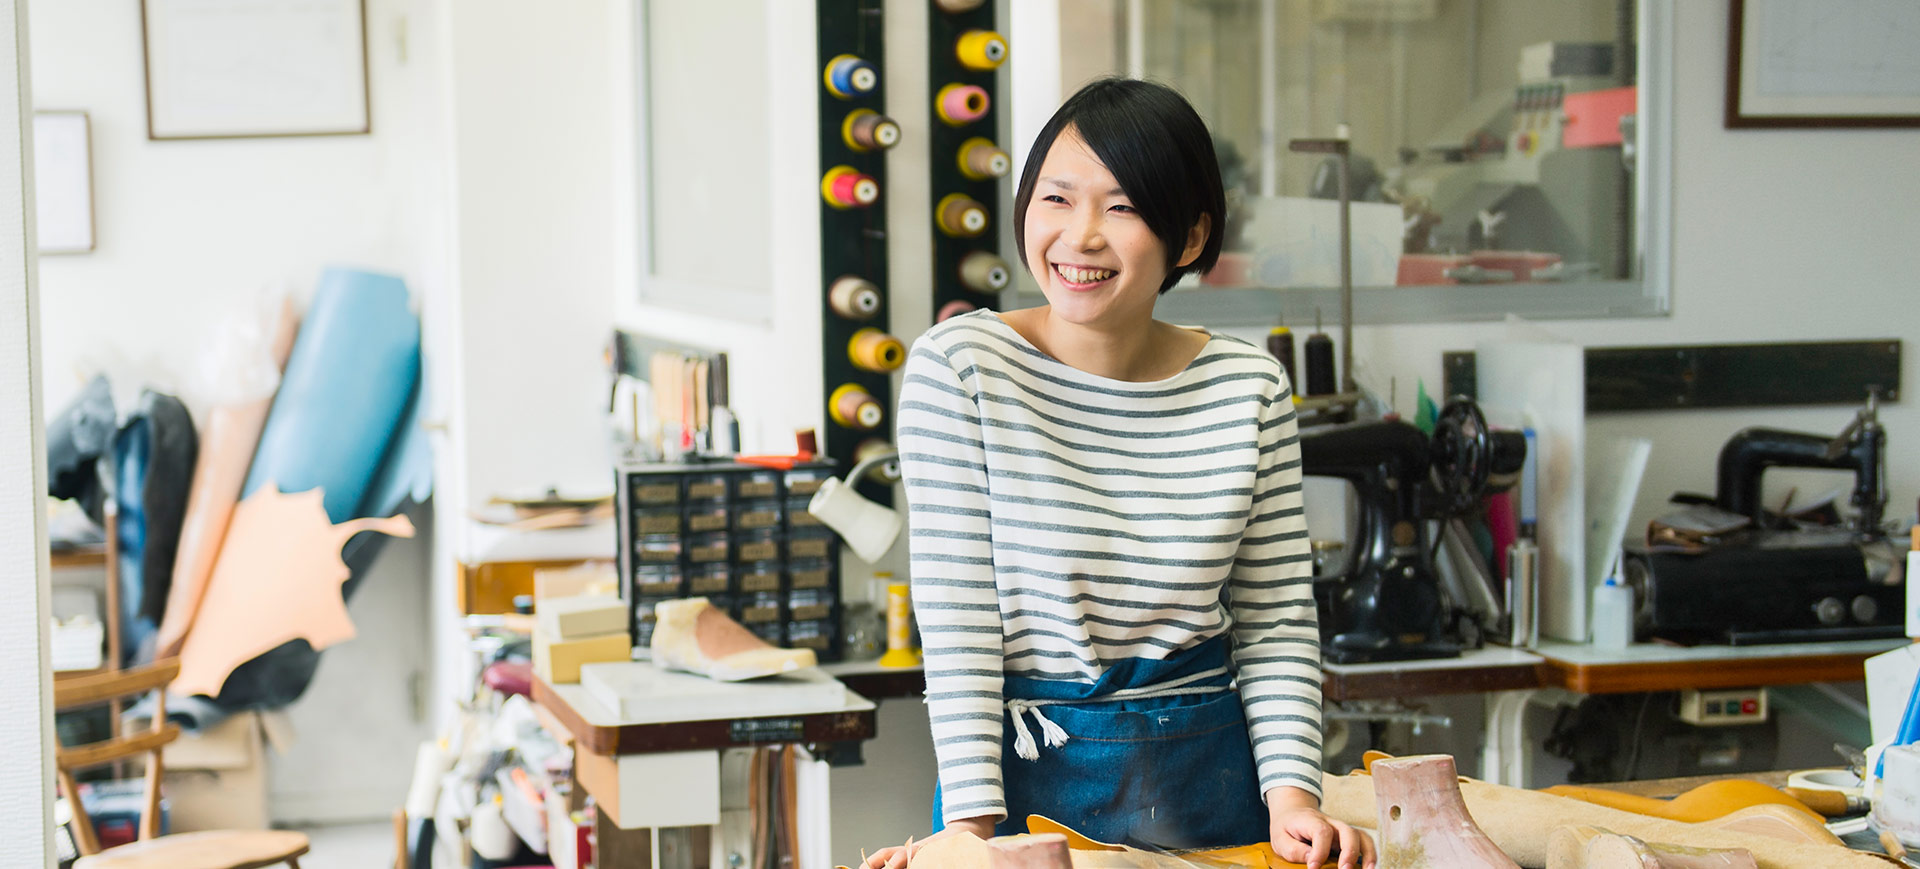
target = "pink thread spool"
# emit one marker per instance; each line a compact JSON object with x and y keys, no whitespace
{"x":961,"y":104}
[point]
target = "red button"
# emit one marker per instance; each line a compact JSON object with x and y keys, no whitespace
{"x":1749,"y":706}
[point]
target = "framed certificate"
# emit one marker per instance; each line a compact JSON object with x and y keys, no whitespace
{"x":1823,"y":63}
{"x":245,"y":68}
{"x":62,"y":182}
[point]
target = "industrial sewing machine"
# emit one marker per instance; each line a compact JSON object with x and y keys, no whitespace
{"x":1738,"y":574}
{"x":1388,"y":605}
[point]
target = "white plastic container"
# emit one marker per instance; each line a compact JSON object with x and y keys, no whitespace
{"x":1612,"y":615}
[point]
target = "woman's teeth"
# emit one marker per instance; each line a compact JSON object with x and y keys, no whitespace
{"x":1077,"y":275}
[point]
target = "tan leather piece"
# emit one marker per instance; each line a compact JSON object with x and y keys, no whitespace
{"x":1704,"y":803}
{"x":278,"y":579}
{"x":1594,"y":848}
{"x":692,"y":636}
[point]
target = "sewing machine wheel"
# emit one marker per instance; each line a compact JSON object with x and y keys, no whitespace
{"x":1460,"y":455}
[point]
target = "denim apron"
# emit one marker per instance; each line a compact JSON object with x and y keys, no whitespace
{"x":1166,"y":764}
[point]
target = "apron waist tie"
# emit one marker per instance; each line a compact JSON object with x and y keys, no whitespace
{"x":1027,"y":749}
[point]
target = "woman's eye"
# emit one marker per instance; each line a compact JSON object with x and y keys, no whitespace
{"x":1126,"y":209}
{"x":1053,"y":197}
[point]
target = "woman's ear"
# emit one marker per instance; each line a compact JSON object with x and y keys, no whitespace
{"x":1196,"y":240}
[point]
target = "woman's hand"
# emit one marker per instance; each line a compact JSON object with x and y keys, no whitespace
{"x":1302,"y":834}
{"x":897,"y":856}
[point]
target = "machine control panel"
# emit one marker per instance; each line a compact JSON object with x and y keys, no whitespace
{"x":1730,"y":706}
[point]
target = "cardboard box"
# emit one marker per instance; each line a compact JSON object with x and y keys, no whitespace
{"x":580,"y":616}
{"x":558,"y":661}
{"x":217,"y":779}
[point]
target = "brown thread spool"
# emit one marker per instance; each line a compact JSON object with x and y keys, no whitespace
{"x":953,"y":309}
{"x":868,"y":130}
{"x":980,"y":160}
{"x":874,"y":350}
{"x":982,"y":272}
{"x":852,"y":407}
{"x":854,"y":298}
{"x":954,"y":7}
{"x":960,"y":216}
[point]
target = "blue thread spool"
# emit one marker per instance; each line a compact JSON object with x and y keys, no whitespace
{"x":848,"y":77}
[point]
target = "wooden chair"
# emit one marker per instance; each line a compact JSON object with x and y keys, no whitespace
{"x":225,"y":849}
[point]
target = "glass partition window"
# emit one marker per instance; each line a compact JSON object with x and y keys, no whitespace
{"x":1493,"y":143}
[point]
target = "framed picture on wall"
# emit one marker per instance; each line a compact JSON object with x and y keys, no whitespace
{"x":221,"y":69}
{"x":62,"y":182}
{"x":1823,"y":63}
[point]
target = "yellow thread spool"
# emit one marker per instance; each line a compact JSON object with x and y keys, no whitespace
{"x":981,"y":160}
{"x":853,"y":407}
{"x":960,"y":217}
{"x":874,"y":350}
{"x":900,"y":651}
{"x":981,"y":50}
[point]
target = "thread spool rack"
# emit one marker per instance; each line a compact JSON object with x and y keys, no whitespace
{"x":855,"y":134}
{"x":968,"y":161}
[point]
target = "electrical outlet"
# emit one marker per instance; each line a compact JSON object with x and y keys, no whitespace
{"x":1719,"y":708}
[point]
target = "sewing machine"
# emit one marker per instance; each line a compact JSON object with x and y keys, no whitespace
{"x":1387,"y":605}
{"x":1768,"y":578}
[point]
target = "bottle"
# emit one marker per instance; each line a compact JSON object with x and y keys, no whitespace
{"x":1612,"y":615}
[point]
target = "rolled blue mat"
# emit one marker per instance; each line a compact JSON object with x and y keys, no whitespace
{"x":346,"y":389}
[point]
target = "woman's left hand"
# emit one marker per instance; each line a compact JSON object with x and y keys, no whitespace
{"x":1302,"y":834}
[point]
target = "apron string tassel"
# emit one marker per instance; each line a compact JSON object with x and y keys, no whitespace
{"x":1022,"y":738}
{"x":1050,"y":731}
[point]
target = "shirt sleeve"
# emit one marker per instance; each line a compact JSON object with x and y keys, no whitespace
{"x":1276,"y":630}
{"x":943,"y":463}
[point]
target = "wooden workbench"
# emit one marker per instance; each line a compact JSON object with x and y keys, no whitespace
{"x":595,"y":728}
{"x":1652,"y":667}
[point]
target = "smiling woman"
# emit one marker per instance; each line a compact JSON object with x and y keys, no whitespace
{"x":1108,"y":541}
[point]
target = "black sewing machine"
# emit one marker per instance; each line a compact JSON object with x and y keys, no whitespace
{"x":1388,"y":605}
{"x":1746,"y":575}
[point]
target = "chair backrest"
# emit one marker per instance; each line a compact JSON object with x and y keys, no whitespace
{"x":91,"y":690}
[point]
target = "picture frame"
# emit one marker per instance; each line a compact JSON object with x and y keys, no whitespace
{"x":63,"y":182}
{"x":1822,"y":63}
{"x":229,"y":69}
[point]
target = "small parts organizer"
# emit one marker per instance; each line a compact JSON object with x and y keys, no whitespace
{"x":964,"y":53}
{"x":739,"y":536}
{"x":859,"y":356}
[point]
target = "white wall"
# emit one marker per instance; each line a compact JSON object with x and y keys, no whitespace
{"x":26,"y":813}
{"x":191,"y":230}
{"x":1783,"y":235}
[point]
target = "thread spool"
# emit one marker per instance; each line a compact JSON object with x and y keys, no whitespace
{"x":885,"y":472}
{"x":981,"y":160}
{"x":848,"y":77}
{"x":960,"y":217}
{"x":981,"y":50}
{"x":953,"y":309}
{"x":1280,"y":344}
{"x":955,"y":7}
{"x":874,"y":350}
{"x":961,"y":104}
{"x":867,"y":130}
{"x":900,"y":651}
{"x":852,"y":406}
{"x":854,"y":298}
{"x":1319,"y":362}
{"x":845,"y":187}
{"x":982,"y":272}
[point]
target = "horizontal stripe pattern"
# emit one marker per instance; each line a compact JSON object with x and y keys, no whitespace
{"x":1061,"y":522}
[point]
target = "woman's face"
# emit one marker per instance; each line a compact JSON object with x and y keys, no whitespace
{"x":1092,"y":255}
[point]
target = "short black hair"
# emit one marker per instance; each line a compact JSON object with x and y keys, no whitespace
{"x":1157,"y":147}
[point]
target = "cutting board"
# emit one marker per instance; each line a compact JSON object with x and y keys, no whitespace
{"x":638,"y":691}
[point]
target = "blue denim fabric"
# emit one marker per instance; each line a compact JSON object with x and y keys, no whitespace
{"x":1162,"y":773}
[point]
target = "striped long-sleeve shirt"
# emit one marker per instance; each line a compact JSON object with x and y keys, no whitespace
{"x":1061,"y":521}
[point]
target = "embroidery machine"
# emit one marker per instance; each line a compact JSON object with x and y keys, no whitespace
{"x":1388,"y":604}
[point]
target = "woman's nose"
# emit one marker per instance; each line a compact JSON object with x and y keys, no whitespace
{"x":1083,"y":231}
